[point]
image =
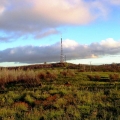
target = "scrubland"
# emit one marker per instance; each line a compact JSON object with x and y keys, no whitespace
{"x":59,"y":94}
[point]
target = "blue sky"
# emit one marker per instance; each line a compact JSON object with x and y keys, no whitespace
{"x":30,"y":31}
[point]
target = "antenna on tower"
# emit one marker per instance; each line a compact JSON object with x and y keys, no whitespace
{"x":61,"y":56}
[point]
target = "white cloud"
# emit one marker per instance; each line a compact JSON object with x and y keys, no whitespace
{"x":110,"y":43}
{"x":2,"y":9}
{"x":93,"y":56}
{"x":63,"y":11}
{"x":115,"y":2}
{"x":47,"y":33}
{"x":70,"y":44}
{"x":51,"y":53}
{"x":99,"y":8}
{"x":23,"y":17}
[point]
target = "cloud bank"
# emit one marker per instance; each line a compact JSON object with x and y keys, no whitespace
{"x":37,"y":18}
{"x":51,"y":53}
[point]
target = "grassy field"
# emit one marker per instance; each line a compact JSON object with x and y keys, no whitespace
{"x":59,"y":94}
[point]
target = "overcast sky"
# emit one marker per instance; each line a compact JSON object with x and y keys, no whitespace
{"x":30,"y":31}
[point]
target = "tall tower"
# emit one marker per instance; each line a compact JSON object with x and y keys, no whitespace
{"x":61,"y":56}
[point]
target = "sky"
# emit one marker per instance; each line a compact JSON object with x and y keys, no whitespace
{"x":31,"y":30}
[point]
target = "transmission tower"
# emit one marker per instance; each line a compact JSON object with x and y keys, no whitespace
{"x":61,"y":56}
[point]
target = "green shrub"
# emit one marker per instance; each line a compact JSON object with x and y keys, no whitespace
{"x":30,"y":100}
{"x":60,"y":103}
{"x":33,"y":115}
{"x":6,"y":112}
{"x":53,"y":114}
{"x":73,"y":112}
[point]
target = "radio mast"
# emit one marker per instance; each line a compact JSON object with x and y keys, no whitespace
{"x":61,"y":56}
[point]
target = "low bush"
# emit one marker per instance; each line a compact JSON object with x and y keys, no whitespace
{"x":20,"y":106}
{"x":68,"y":73}
{"x":91,"y":77}
{"x":50,"y":76}
{"x":94,"y":77}
{"x":114,"y":77}
{"x":41,"y":75}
